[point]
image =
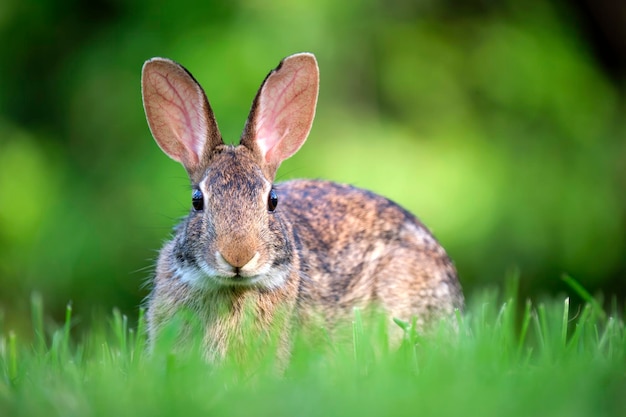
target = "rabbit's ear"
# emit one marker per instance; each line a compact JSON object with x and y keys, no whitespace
{"x":283,"y":110}
{"x":178,"y":113}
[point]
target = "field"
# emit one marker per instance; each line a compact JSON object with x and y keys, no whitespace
{"x":543,"y":359}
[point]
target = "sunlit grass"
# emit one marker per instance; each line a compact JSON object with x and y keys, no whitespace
{"x":548,"y":358}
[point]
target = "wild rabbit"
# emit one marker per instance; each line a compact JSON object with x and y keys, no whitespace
{"x":303,"y":248}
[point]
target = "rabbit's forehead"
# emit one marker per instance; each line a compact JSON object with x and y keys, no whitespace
{"x":231,"y":173}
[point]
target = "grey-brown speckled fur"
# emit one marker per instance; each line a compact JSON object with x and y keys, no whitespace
{"x":358,"y":248}
{"x":326,"y":247}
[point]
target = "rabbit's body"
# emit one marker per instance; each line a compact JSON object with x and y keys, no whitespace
{"x":256,"y":254}
{"x":357,"y":248}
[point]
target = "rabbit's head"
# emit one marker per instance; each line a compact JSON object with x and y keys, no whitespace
{"x":232,"y":236}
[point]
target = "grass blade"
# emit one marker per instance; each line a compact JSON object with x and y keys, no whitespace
{"x":36,"y":303}
{"x":12,"y":356}
{"x":565,"y":322}
{"x":585,"y":295}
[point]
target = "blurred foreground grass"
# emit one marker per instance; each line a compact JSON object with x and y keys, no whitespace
{"x":546,"y":360}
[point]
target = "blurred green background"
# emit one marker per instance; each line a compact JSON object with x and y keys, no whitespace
{"x":500,"y":124}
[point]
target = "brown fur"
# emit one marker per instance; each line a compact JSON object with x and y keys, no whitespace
{"x":325,"y":249}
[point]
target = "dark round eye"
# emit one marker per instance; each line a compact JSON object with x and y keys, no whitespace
{"x":272,"y":200}
{"x":197,"y":200}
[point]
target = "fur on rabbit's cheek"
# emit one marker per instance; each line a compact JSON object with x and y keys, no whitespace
{"x":193,"y":276}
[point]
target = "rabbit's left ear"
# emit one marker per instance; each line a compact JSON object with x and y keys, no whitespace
{"x":283,"y":110}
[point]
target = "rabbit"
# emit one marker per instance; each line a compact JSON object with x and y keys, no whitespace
{"x":289,"y":252}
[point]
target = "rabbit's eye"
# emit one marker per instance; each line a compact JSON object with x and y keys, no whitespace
{"x":272,"y":200}
{"x":197,"y":200}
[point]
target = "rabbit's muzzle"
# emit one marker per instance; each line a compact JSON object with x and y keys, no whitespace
{"x":238,"y":262}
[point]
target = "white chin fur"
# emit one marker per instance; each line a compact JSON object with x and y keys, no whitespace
{"x":208,"y":278}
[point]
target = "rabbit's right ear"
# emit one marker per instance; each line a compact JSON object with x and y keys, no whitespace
{"x":178,"y":113}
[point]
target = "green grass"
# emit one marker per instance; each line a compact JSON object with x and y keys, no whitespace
{"x":506,"y":360}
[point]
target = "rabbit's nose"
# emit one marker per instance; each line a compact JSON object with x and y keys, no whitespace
{"x":237,"y":258}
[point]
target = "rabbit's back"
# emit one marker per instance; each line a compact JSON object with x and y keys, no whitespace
{"x":358,"y":248}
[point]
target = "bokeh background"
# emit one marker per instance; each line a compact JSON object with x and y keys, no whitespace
{"x":500,"y":124}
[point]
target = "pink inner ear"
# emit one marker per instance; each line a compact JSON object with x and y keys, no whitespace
{"x":184,"y":118}
{"x":286,"y":108}
{"x":176,"y":111}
